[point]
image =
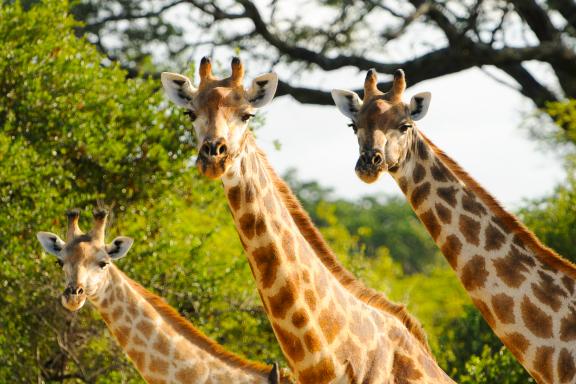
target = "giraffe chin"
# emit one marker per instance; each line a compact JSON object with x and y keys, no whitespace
{"x":73,"y":302}
{"x":212,"y":169}
{"x":368,"y":175}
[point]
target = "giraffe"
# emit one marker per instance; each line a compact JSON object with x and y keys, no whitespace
{"x":330,"y":328}
{"x":164,"y":347}
{"x":524,"y":290}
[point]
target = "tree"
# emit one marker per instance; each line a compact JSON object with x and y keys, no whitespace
{"x":442,"y":36}
{"x":75,"y":134}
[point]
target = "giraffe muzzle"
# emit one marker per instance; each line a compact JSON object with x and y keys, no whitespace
{"x":213,"y":158}
{"x":370,"y":165}
{"x":73,"y":298}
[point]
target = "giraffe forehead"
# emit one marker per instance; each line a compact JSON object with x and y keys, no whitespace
{"x":214,"y":98}
{"x":81,"y":250}
{"x":380,"y":113}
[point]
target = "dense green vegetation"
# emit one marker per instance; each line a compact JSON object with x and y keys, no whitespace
{"x":74,"y":133}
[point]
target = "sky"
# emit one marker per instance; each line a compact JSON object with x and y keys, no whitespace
{"x":474,"y":119}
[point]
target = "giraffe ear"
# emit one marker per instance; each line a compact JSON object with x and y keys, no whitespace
{"x":348,"y":102}
{"x":51,"y":243}
{"x":178,"y":88}
{"x":419,"y":105}
{"x":262,"y":89}
{"x":119,"y":247}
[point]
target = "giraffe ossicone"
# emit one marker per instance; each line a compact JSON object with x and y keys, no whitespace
{"x":331,"y":328}
{"x":164,"y":347}
{"x":524,"y":290}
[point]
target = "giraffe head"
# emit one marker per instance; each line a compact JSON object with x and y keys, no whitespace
{"x":84,"y":257}
{"x":382,"y":123}
{"x":220,"y":110}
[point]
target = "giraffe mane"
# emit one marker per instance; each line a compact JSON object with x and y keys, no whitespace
{"x":194,"y":335}
{"x":543,"y":253}
{"x":313,"y":236}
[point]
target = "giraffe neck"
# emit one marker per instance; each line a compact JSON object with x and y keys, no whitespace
{"x":524,"y":290}
{"x":326,"y":333}
{"x":163,"y":346}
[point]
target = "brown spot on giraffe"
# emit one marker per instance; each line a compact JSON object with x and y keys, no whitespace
{"x":440,"y":172}
{"x":234,"y":198}
{"x":139,"y":358}
{"x":259,"y":226}
{"x":566,"y":366}
{"x":158,"y":365}
{"x":162,"y":345}
{"x":300,"y":318}
{"x":548,"y":292}
{"x":122,"y":334}
{"x":536,"y":320}
{"x":403,"y":184}
{"x":418,"y":173}
{"x":331,"y":323}
{"x":444,"y":214}
{"x":471,"y":205}
{"x":517,"y":344}
{"x":117,"y":313}
{"x":470,"y":228}
{"x":310,"y":298}
{"x":249,"y":193}
{"x":189,"y":374}
{"x":320,"y":373}
{"x":543,"y":362}
{"x":282,"y":301}
{"x":247,"y":225}
{"x":512,"y":267}
{"x":485,"y":310}
{"x":503,"y":306}
{"x":429,"y":220}
{"x":422,"y":150}
{"x":568,"y":284}
{"x":137,"y":340}
{"x":145,"y":327}
{"x":451,"y":249}
{"x":288,"y":246}
{"x":419,"y":194}
{"x":448,"y":194}
{"x":474,"y":273}
{"x":312,"y":341}
{"x":291,"y":343}
{"x":404,"y":369}
{"x":568,"y":327}
{"x":493,"y":238}
{"x":267,"y":263}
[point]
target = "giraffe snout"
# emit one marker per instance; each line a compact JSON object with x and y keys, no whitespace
{"x":214,"y":148}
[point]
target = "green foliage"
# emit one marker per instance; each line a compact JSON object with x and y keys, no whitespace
{"x":74,"y":133}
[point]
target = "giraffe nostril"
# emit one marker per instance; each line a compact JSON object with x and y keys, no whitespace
{"x":222,"y":149}
{"x":205,"y":149}
{"x":79,"y":291}
{"x":377,"y":159}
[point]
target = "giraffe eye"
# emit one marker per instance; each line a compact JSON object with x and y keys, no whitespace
{"x":103,"y":264}
{"x":354,"y":127}
{"x":190,"y":114}
{"x":247,"y":116}
{"x":404,"y":127}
